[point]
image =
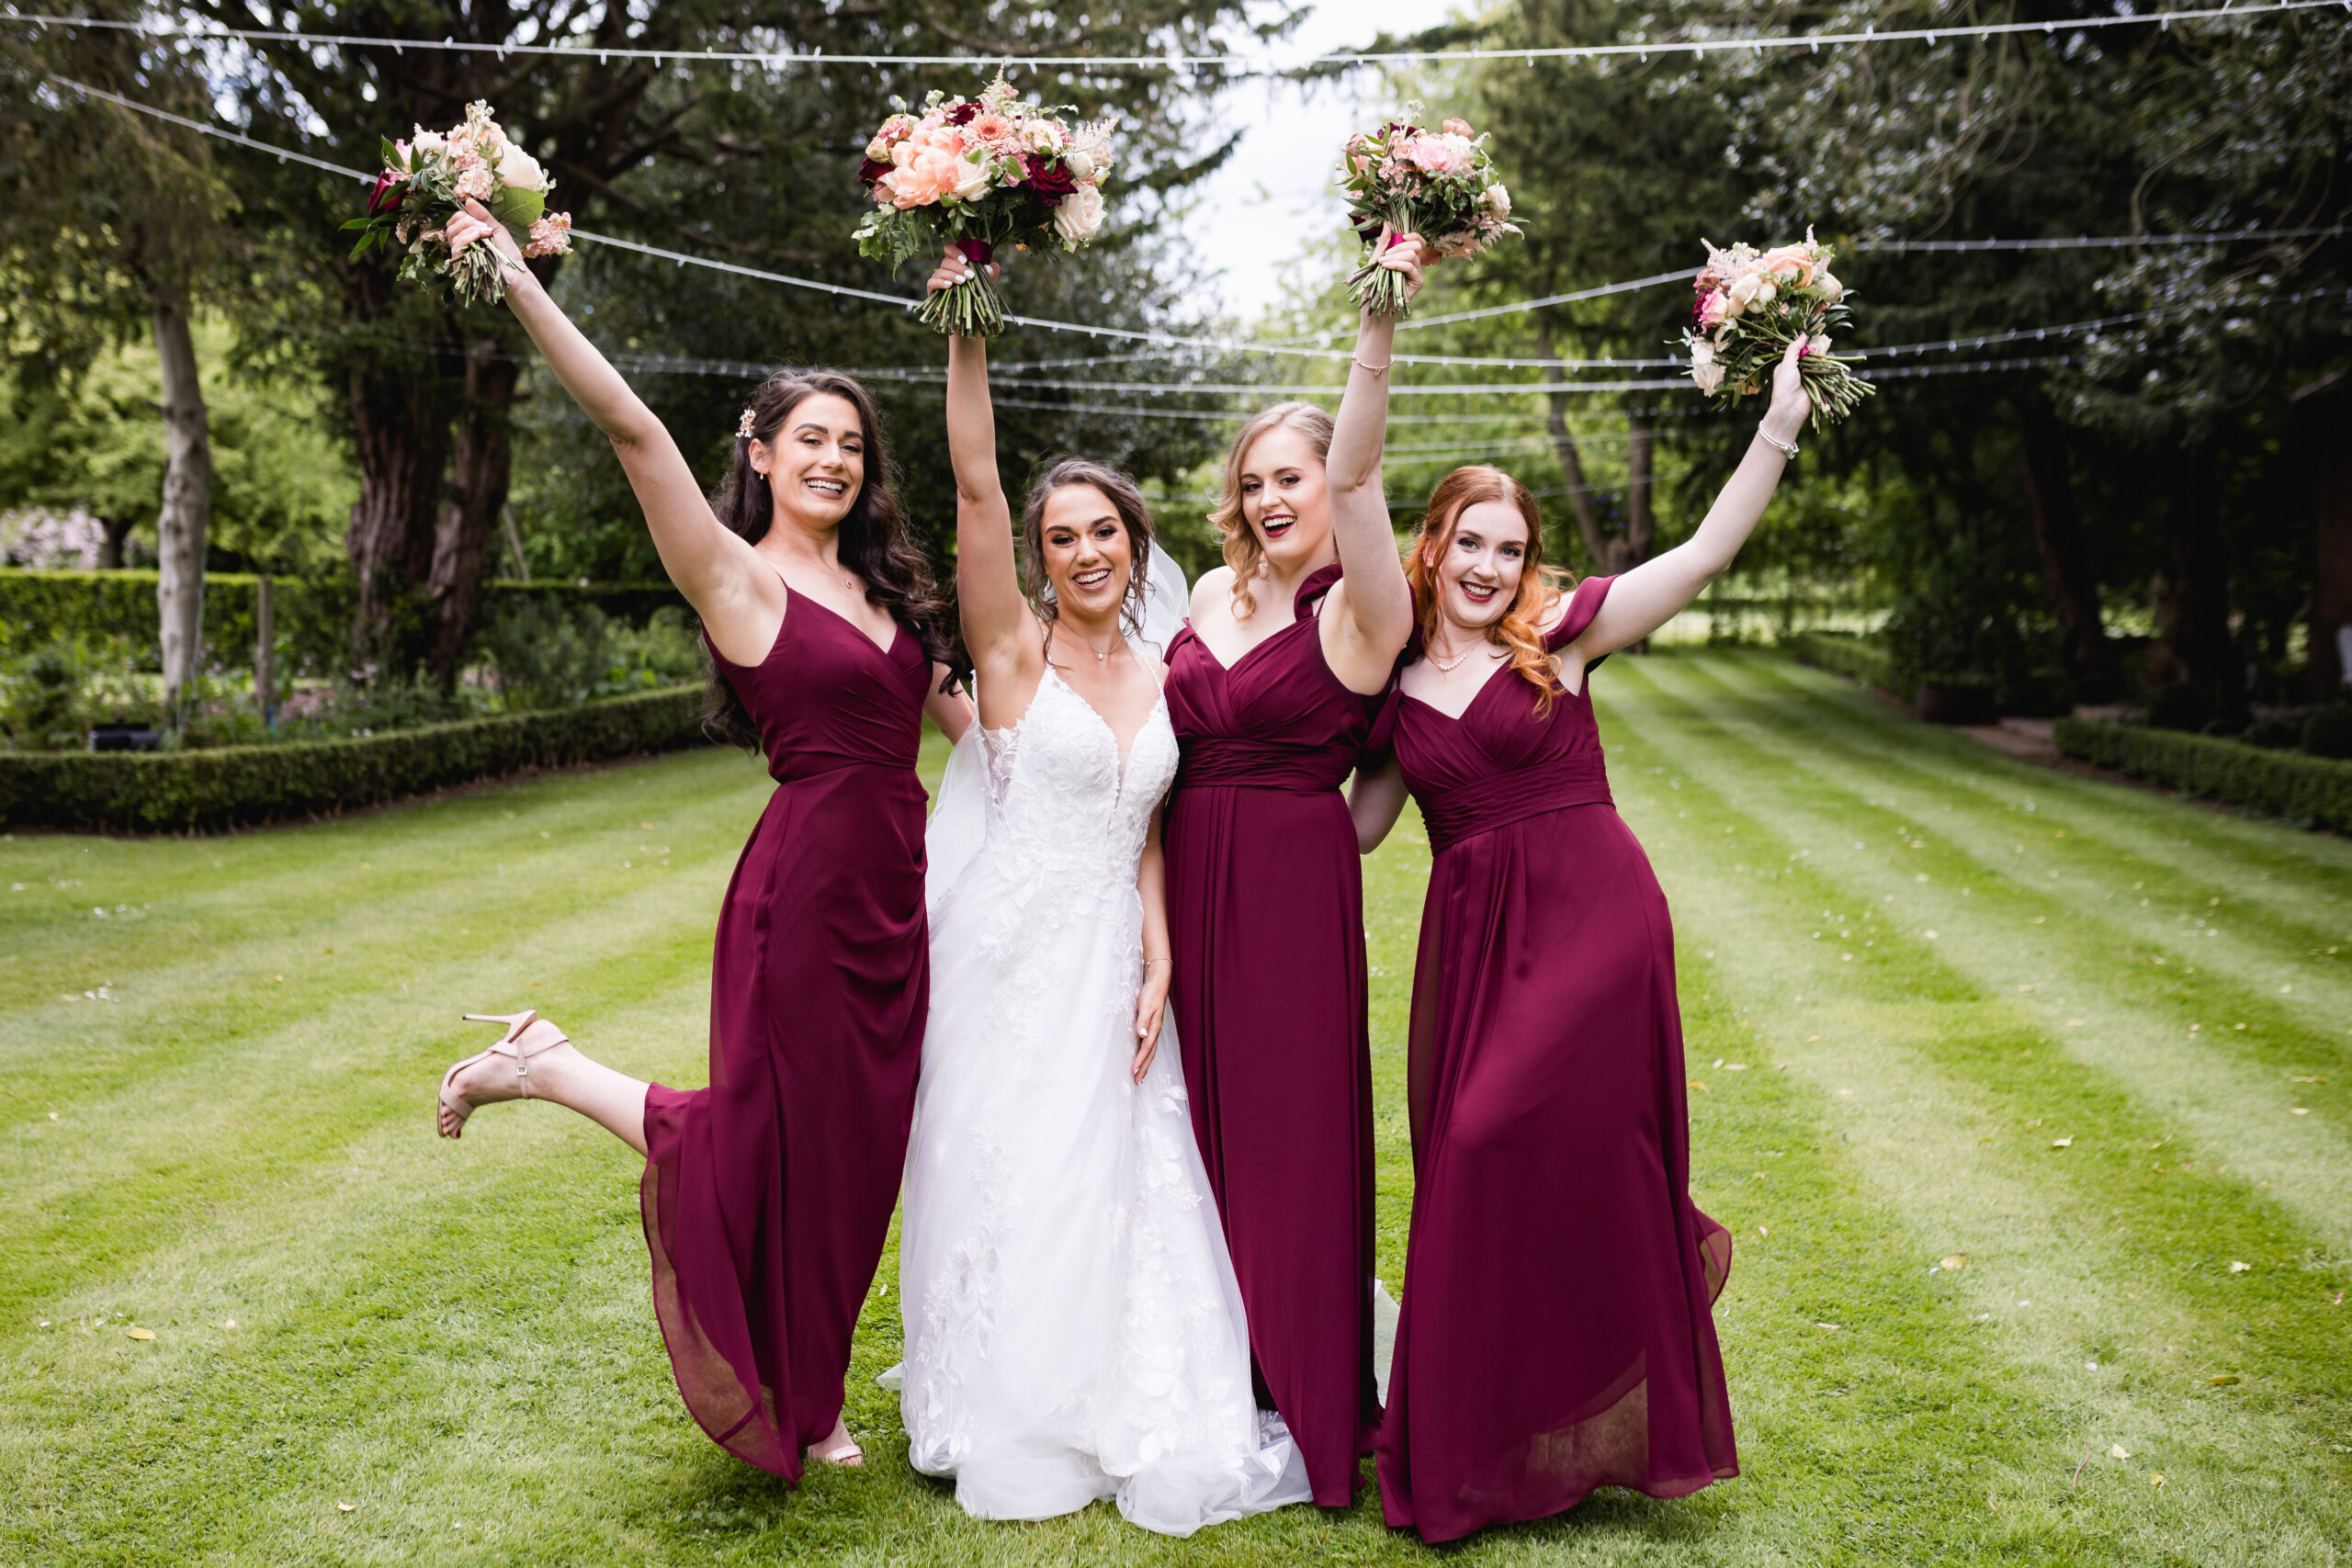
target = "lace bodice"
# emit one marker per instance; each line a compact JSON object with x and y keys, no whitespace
{"x":1065,"y":809}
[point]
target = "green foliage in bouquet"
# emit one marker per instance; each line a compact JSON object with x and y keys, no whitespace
{"x":1749,"y":307}
{"x":1403,"y":179}
{"x":427,"y":181}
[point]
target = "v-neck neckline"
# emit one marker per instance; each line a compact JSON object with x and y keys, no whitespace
{"x":884,"y":649}
{"x":1501,"y":667}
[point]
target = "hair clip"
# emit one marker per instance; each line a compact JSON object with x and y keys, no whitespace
{"x":744,"y":426}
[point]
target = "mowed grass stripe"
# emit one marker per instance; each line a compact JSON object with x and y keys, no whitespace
{"x":1929,"y":1082}
{"x":2239,"y":1087}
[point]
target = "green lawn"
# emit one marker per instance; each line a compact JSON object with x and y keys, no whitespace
{"x":1940,"y":1004}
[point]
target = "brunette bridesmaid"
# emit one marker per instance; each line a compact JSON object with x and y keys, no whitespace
{"x":1272,"y":686}
{"x":767,"y":1195}
{"x":1557,"y":1331}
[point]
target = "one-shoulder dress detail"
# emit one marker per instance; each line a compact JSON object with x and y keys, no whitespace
{"x":1557,"y":1332}
{"x":1265,"y":906}
{"x":767,"y":1196}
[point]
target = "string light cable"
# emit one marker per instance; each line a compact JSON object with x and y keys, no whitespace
{"x":580,"y":48}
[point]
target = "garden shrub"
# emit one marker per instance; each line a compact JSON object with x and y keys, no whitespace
{"x":180,"y":790}
{"x":1852,"y":657}
{"x":2328,"y":731}
{"x":2307,"y":789}
{"x":2179,"y":706}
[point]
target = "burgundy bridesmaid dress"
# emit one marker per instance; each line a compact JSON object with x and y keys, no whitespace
{"x":767,"y":1196}
{"x":1557,"y":1333}
{"x":1265,"y":907}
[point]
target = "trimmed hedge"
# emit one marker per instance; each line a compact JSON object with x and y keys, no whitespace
{"x":313,"y":620}
{"x":180,"y":790}
{"x":1852,"y":657}
{"x":2305,"y":789}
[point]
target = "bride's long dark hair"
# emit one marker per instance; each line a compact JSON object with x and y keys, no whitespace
{"x":876,"y":542}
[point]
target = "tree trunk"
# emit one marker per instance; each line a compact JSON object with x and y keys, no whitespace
{"x":188,"y":500}
{"x":2199,"y":572}
{"x":483,"y":463}
{"x":2325,"y":405}
{"x":1564,"y":444}
{"x":2066,"y":568}
{"x":117,"y":534}
{"x":399,"y":428}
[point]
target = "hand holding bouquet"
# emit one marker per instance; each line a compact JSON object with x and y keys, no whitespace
{"x":977,"y":174}
{"x":427,"y":181}
{"x":1751,"y":307}
{"x":1440,"y":184}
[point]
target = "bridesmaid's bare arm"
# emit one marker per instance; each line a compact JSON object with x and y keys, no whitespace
{"x":1375,"y":800}
{"x":1158,"y":967}
{"x":1654,"y":592}
{"x":947,"y":707}
{"x":714,"y":568}
{"x":1370,"y":611}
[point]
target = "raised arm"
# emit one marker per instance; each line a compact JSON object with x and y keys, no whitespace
{"x":999,"y":629}
{"x":1652,"y":593}
{"x":1375,"y":605}
{"x":711,"y":566}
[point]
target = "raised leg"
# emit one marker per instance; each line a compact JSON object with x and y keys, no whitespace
{"x":536,"y":1062}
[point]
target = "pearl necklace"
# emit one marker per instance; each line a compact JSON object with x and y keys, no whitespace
{"x":1448,"y":668}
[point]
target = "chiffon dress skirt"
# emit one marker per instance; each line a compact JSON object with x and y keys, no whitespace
{"x":767,"y":1196}
{"x":1265,"y":908}
{"x":1556,"y":1332}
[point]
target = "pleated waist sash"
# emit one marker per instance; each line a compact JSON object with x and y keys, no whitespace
{"x":1502,"y":799}
{"x":1235,"y":763}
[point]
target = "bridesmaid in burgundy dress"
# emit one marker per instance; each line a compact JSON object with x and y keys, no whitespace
{"x":1272,"y":686}
{"x":1557,"y":1331}
{"x":767,"y":1196}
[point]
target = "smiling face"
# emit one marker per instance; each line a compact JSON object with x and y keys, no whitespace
{"x":1283,"y":500}
{"x":815,"y":463}
{"x":1479,"y":565}
{"x":1088,"y":557}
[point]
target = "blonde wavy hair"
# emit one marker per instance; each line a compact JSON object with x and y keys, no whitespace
{"x":1540,"y":586}
{"x":1243,"y":551}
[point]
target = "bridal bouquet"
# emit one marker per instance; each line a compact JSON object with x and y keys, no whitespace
{"x":978,"y":173}
{"x":427,"y":180}
{"x":1750,"y":308}
{"x":1437,"y":183}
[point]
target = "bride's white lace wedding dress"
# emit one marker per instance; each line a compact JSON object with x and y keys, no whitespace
{"x":1073,"y":1330}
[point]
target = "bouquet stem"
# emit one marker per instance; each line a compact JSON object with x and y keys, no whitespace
{"x":973,"y":308}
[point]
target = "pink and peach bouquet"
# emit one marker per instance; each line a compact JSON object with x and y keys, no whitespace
{"x":1404,"y":178}
{"x":1750,"y":305}
{"x":980,"y":173}
{"x":428,"y":179}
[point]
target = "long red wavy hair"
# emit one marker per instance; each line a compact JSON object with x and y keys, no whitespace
{"x":1540,"y":586}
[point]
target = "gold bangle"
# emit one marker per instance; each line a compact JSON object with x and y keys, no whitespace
{"x":1374,"y":369}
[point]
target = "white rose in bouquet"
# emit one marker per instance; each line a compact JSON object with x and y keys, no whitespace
{"x":519,"y":170}
{"x":1498,"y":201}
{"x":1831,"y":289}
{"x":1742,"y":294}
{"x":1708,"y":377}
{"x":1080,"y":215}
{"x":427,"y":142}
{"x":972,"y":180}
{"x":1042,"y":135}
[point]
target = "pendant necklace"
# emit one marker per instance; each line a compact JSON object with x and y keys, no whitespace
{"x":1103,"y":654}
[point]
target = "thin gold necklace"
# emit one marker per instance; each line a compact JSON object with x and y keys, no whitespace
{"x":1101,"y":655}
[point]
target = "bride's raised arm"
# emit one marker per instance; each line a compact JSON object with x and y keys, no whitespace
{"x":999,"y":629}
{"x":711,"y":566}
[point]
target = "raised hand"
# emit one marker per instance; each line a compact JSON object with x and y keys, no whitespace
{"x":1791,"y":404}
{"x":1410,"y":255}
{"x":476,"y":223}
{"x":953,"y":268}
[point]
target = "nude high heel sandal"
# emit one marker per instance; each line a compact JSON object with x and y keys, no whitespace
{"x":527,"y":1034}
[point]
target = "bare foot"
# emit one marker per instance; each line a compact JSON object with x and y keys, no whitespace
{"x":839,"y":1447}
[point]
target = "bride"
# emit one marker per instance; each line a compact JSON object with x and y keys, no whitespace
{"x":1073,"y":1330}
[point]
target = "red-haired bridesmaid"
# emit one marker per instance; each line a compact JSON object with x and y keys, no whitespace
{"x":1557,"y":1331}
{"x":1272,"y":687}
{"x":767,"y":1196}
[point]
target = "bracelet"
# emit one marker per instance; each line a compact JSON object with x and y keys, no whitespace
{"x":1150,"y":962}
{"x":1374,"y":369}
{"x":1786,"y":449}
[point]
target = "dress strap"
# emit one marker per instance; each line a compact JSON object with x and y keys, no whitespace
{"x":1318,"y":583}
{"x":1583,"y":605}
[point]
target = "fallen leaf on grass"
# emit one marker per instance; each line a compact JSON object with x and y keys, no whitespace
{"x":2306,"y":1081}
{"x":2119,"y":1451}
{"x":1957,"y":1260}
{"x":2223,"y":1380}
{"x":141,"y":1333}
{"x":2302,"y":1111}
{"x":344,"y":1508}
{"x":2339,"y":1295}
{"x":2238,"y":1267}
{"x":1828,"y":1326}
{"x":2156,"y":1478}
{"x":1696,"y":1084}
{"x":2061,"y":1143}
